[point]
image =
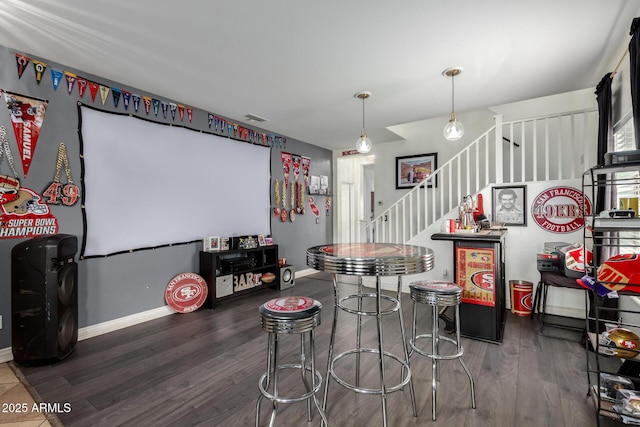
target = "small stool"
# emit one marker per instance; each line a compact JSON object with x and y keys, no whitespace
{"x":290,"y":315}
{"x":438,"y":294}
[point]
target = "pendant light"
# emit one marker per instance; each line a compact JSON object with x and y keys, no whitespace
{"x":363,"y":144}
{"x":454,"y":129}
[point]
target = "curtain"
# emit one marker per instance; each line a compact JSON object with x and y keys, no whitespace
{"x":634,"y":51}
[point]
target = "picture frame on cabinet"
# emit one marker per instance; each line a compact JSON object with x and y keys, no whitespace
{"x":211,"y":244}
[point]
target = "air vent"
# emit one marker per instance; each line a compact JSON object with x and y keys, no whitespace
{"x":254,"y":118}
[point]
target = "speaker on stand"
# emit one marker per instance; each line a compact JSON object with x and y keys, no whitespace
{"x":287,"y":276}
{"x":44,"y":299}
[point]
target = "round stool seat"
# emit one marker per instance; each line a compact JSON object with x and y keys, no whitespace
{"x":436,"y":292}
{"x":290,"y":314}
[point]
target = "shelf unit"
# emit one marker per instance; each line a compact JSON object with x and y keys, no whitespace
{"x":238,"y":271}
{"x":607,"y":235}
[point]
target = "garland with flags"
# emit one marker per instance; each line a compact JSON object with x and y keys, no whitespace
{"x":221,"y":126}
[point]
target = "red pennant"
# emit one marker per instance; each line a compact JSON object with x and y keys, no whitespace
{"x":181,"y":112}
{"x":190,"y":115}
{"x":93,"y":89}
{"x":286,"y":166}
{"x":82,"y":85}
{"x":27,"y":115}
{"x":22,"y":62}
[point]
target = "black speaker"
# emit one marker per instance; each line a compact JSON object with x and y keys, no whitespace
{"x":44,"y":299}
{"x":287,"y":277}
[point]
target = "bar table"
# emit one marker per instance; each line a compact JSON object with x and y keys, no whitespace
{"x":376,"y":260}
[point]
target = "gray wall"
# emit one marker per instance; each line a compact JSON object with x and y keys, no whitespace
{"x":121,"y":285}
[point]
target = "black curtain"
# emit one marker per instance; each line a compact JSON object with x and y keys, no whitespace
{"x":634,"y":50}
{"x":605,"y":130}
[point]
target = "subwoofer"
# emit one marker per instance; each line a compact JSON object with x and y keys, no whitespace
{"x":44,"y":299}
{"x":287,"y":277}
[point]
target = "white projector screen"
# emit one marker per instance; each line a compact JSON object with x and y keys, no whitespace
{"x":148,"y":184}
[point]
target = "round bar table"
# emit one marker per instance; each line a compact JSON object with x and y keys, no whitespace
{"x":376,"y":260}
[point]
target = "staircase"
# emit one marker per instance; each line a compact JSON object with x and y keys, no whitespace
{"x":555,"y":147}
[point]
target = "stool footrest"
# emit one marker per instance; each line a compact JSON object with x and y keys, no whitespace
{"x":280,"y":399}
{"x":412,"y":343}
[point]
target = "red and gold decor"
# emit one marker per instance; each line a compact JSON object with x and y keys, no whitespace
{"x":186,"y":292}
{"x":27,"y":115}
{"x":57,"y":193}
{"x":476,"y":275}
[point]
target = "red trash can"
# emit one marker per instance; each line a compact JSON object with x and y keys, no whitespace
{"x":521,"y":297}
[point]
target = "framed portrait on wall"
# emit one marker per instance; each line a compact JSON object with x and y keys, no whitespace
{"x":211,"y":244}
{"x":509,"y":205}
{"x":413,"y":170}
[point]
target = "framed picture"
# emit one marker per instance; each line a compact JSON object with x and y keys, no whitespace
{"x":509,"y":205}
{"x":261,"y":240}
{"x":268,"y":241}
{"x":413,"y":170}
{"x":211,"y":244}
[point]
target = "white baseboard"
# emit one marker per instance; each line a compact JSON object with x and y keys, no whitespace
{"x":123,"y":322}
{"x":306,"y":272}
{"x":6,"y":354}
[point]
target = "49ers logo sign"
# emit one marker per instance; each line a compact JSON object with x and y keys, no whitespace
{"x":560,"y":209}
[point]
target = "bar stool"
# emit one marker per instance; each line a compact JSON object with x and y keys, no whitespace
{"x":290,"y":315}
{"x":438,"y":294}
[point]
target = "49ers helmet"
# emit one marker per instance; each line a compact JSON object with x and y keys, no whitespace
{"x":622,"y":342}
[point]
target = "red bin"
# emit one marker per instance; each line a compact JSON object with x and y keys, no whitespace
{"x":521,"y":297}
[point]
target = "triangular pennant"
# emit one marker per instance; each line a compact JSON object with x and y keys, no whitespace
{"x":229,"y":129}
{"x":210,"y":119}
{"x":136,"y":102}
{"x":21,"y":61}
{"x":93,"y":89}
{"x":71,"y":81}
{"x":147,"y":103}
{"x":165,"y":108}
{"x":172,"y":107}
{"x":82,"y":85}
{"x":27,"y":115}
{"x":190,"y":114}
{"x":116,"y":96}
{"x":104,"y":92}
{"x":126,"y":99}
{"x":156,"y":106}
{"x":181,"y":112}
{"x":56,"y":76}
{"x":39,"y":68}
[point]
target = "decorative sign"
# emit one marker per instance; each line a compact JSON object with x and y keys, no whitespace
{"x":290,"y":304}
{"x":186,"y":292}
{"x":475,"y":273}
{"x":246,"y":281}
{"x":560,"y":209}
{"x":26,"y":216}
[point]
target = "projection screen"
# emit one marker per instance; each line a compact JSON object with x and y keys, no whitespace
{"x":148,"y":184}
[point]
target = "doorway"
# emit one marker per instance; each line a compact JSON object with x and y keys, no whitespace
{"x":355,"y":177}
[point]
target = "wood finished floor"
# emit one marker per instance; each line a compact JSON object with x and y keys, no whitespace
{"x":202,"y":368}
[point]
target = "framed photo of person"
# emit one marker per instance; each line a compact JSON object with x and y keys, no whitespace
{"x":413,"y":170}
{"x":509,"y":205}
{"x":211,"y":244}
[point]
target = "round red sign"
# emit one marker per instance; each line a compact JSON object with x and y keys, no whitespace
{"x":560,"y":209}
{"x":290,"y":304}
{"x":186,"y":292}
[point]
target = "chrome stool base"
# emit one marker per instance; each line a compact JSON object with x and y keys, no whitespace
{"x":283,"y":316}
{"x":438,"y":294}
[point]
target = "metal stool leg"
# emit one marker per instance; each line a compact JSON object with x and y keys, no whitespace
{"x":324,"y":422}
{"x":334,"y":279}
{"x":406,"y":351}
{"x":383,"y":391}
{"x":303,"y":372}
{"x":434,"y":360}
{"x":464,"y":366}
{"x":359,"y":331}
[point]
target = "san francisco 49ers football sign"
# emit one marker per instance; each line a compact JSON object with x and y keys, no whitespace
{"x":560,"y":209}
{"x":186,"y":292}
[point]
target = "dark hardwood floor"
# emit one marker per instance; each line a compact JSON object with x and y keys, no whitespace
{"x":202,"y":368}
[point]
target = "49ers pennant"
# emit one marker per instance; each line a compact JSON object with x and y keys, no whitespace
{"x":27,"y":115}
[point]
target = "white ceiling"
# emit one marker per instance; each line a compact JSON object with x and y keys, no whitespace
{"x":298,"y":63}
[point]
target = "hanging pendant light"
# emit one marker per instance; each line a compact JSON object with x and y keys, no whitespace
{"x":363,"y":144}
{"x":454,"y":129}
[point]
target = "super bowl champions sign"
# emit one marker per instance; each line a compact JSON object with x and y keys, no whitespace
{"x":560,"y":209}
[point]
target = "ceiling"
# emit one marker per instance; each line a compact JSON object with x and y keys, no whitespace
{"x":299,"y":63}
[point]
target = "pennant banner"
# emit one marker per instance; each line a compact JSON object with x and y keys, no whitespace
{"x":27,"y":115}
{"x":306,"y":165}
{"x":22,"y":62}
{"x":71,"y":81}
{"x":82,"y":86}
{"x":286,"y":167}
{"x":39,"y":68}
{"x":56,"y":77}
